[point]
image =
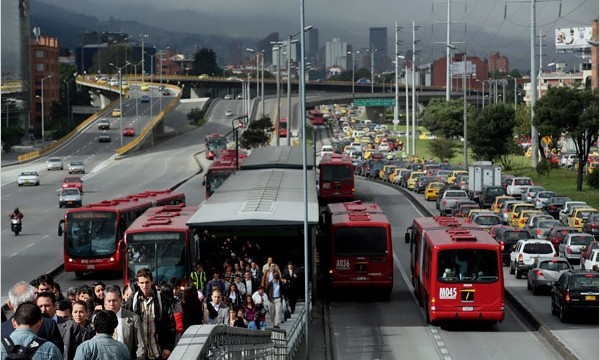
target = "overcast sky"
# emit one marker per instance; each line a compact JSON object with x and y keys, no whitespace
{"x":482,"y":24}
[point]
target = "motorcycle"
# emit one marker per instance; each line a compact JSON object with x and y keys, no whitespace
{"x":15,"y":225}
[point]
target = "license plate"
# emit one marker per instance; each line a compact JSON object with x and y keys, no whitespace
{"x":590,"y":298}
{"x":467,"y":308}
{"x":361,"y":278}
{"x":91,"y":267}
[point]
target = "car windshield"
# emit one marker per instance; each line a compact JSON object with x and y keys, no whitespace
{"x":70,"y":192}
{"x":487,"y":220}
{"x":522,"y":182}
{"x":554,"y":265}
{"x":586,"y":282}
{"x":538,"y":248}
{"x":581,"y":240}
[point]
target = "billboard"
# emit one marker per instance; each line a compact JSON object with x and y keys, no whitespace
{"x":458,"y":68}
{"x":572,"y":39}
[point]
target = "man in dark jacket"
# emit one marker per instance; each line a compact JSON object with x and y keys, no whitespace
{"x":158,"y":322}
{"x":23,"y":292}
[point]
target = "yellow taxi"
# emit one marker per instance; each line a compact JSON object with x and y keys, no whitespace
{"x":116,"y":113}
{"x":389,"y":171}
{"x":432,"y":190}
{"x":144,"y":87}
{"x":454,"y":174}
{"x":411,"y":183}
{"x":579,"y":216}
{"x":394,"y":176}
{"x":523,"y":216}
{"x":515,"y":209}
{"x":498,"y":201}
{"x":384,"y":172}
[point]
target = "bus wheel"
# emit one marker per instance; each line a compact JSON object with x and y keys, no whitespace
{"x":78,"y":274}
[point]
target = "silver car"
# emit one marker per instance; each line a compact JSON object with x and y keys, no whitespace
{"x":545,"y":272}
{"x":76,"y":167}
{"x":29,"y":178}
{"x":573,"y":245}
{"x":69,"y":197}
{"x":54,"y":164}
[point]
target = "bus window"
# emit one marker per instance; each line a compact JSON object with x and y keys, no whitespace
{"x":364,"y":241}
{"x":467,"y":266}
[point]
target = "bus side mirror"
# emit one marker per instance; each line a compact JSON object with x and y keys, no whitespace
{"x":407,"y":238}
{"x":60,"y":227}
{"x":204,"y":182}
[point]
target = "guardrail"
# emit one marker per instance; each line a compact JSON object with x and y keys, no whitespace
{"x":226,"y":342}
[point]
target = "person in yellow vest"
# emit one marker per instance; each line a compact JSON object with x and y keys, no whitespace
{"x":198,"y":278}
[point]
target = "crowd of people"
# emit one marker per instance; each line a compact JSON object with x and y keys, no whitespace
{"x":144,"y":320}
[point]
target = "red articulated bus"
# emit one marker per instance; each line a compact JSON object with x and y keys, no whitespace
{"x":459,"y":275}
{"x":336,"y":178}
{"x":214,"y":144}
{"x":355,"y":250}
{"x":316,"y":117}
{"x":93,"y":233}
{"x":161,"y":241}
{"x":220,"y":169}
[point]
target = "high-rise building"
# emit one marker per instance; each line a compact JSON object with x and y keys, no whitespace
{"x":44,"y":68}
{"x":234,"y":53}
{"x":265,"y":46}
{"x":16,"y":100}
{"x":378,"y":42}
{"x":313,"y":46}
{"x":335,"y":53}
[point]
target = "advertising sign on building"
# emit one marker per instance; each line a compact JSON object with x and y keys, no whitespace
{"x":572,"y":39}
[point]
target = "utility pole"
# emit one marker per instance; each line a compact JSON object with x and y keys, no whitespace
{"x":406,"y":112}
{"x":396,"y":60}
{"x":414,"y":104}
{"x":447,"y":53}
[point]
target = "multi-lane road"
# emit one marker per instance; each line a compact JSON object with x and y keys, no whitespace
{"x":359,"y":330}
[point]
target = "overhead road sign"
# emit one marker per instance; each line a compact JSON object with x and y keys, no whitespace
{"x":374,"y":102}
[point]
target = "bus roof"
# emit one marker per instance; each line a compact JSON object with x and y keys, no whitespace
{"x":443,"y":222}
{"x":278,"y":157}
{"x":335,"y":159}
{"x":163,"y":218}
{"x":140,"y":200}
{"x":461,"y":238}
{"x":356,"y":212}
{"x":268,"y":197}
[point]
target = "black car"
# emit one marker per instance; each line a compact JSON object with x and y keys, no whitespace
{"x":508,"y":238}
{"x":554,"y":204}
{"x":488,"y":195}
{"x":590,"y":225}
{"x":575,"y":293}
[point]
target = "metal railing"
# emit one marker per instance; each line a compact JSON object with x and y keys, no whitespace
{"x":226,"y":342}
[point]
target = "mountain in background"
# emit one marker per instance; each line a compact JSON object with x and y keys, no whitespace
{"x":68,"y":26}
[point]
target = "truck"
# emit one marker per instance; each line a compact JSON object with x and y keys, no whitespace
{"x":483,"y":174}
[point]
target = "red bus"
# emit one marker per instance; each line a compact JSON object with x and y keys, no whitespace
{"x":93,"y":233}
{"x":283,"y":130}
{"x":213,"y":144}
{"x":336,"y":178}
{"x":161,"y":241}
{"x":415,"y":232}
{"x":459,"y":275}
{"x":355,"y":250}
{"x":316,"y":117}
{"x":220,"y":169}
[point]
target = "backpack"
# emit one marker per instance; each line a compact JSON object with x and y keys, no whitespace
{"x":19,"y":351}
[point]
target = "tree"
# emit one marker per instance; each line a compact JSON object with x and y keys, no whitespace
{"x":442,"y":148}
{"x":571,"y":111}
{"x":491,"y":133}
{"x":205,"y":62}
{"x":196,"y":116}
{"x":258,"y":133}
{"x":444,"y":118}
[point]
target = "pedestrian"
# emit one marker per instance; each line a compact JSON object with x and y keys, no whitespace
{"x":102,"y":346}
{"x":192,"y":308}
{"x":290,"y":279}
{"x":249,"y":308}
{"x":26,"y":322}
{"x":276,"y":294}
{"x":158,"y":322}
{"x":129,"y":325}
{"x":233,"y":297}
{"x":198,"y":278}
{"x":216,"y":311}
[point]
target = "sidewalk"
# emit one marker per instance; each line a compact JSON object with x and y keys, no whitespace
{"x":318,"y":332}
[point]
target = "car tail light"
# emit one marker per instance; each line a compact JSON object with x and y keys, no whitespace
{"x":539,"y":231}
{"x":502,"y":245}
{"x":594,"y":226}
{"x":568,"y":296}
{"x":569,"y":250}
{"x":539,"y":273}
{"x":522,"y":221}
{"x":520,"y":258}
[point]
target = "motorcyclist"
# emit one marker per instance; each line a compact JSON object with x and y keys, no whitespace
{"x":16,"y":214}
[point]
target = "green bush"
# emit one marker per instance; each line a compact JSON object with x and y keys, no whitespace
{"x":592,"y":179}
{"x":543,"y":167}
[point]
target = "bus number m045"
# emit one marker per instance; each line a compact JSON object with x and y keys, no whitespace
{"x":447,"y":293}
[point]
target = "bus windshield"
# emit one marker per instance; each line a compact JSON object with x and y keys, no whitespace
{"x":161,"y":252}
{"x":214,"y":180}
{"x":336,"y":173}
{"x":91,"y":234}
{"x":361,"y":241}
{"x":467,"y":266}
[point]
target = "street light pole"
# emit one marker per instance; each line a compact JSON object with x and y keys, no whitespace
{"x":143,"y":55}
{"x":43,"y":114}
{"x":372,"y":68}
{"x":262,"y":82}
{"x":119,"y":72}
{"x":289,"y":92}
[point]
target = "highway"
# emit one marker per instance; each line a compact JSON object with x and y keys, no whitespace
{"x":359,"y":330}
